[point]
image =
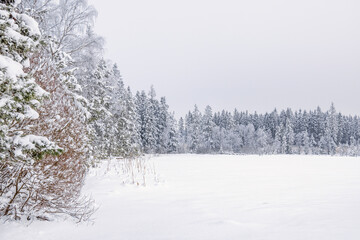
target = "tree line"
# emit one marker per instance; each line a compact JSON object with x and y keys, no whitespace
{"x":285,"y":132}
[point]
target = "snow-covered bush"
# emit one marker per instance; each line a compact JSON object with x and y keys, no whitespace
{"x":59,"y":179}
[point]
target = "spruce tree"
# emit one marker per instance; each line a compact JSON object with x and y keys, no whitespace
{"x":207,"y":126}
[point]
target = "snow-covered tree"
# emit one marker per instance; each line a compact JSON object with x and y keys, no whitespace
{"x":20,"y":95}
{"x":162,"y":121}
{"x":207,"y":127}
{"x":261,"y":141}
{"x":146,"y":122}
{"x":181,"y":134}
{"x":194,"y":130}
{"x":172,"y":139}
{"x":97,"y":92}
{"x":130,"y":130}
{"x":332,"y":123}
{"x":126,"y":137}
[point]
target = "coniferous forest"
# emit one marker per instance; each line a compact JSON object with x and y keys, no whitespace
{"x":64,"y":107}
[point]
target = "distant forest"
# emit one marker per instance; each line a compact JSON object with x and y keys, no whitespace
{"x":284,"y":132}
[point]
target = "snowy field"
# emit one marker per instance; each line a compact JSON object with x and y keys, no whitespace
{"x":220,"y":197}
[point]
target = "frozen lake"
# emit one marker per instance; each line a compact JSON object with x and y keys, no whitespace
{"x":221,"y":197}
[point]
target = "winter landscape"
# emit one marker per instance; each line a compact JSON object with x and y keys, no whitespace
{"x":255,"y":133}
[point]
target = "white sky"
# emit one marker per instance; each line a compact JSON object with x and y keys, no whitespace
{"x":253,"y":55}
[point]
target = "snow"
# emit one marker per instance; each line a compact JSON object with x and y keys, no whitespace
{"x":32,"y":25}
{"x":3,"y":101}
{"x":18,"y":37}
{"x":13,"y":69}
{"x":26,"y":63}
{"x":220,"y":197}
{"x":40,"y":91}
{"x":4,"y":14}
{"x":30,"y":142}
{"x":31,"y":113}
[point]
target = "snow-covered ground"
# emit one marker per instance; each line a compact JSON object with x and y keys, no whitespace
{"x":220,"y":197}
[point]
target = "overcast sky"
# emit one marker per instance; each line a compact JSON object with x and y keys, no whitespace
{"x":250,"y":54}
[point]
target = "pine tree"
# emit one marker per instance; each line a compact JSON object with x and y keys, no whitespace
{"x":289,"y":136}
{"x":98,"y":92}
{"x":181,"y":136}
{"x":332,"y":124}
{"x":207,"y":128}
{"x":146,"y":121}
{"x":306,"y":142}
{"x":172,"y":143}
{"x":194,"y":130}
{"x":328,"y":141}
{"x":237,"y":138}
{"x":162,"y":126}
{"x":277,"y":141}
{"x":126,"y":139}
{"x":261,"y":140}
{"x":131,"y":128}
{"x":249,"y":139}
